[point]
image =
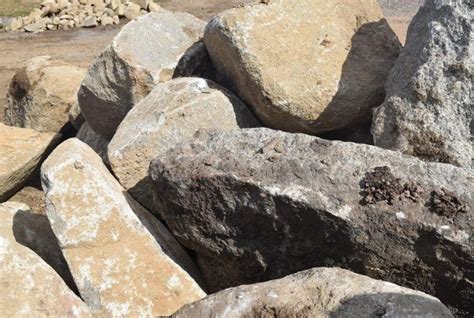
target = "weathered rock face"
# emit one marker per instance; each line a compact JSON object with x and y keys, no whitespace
{"x":41,"y":94}
{"x":305,"y":65}
{"x":161,"y":121}
{"x":21,"y":151}
{"x":30,"y":288}
{"x":429,"y":107}
{"x":124,"y":261}
{"x":196,"y":62}
{"x":32,"y":229}
{"x":259,"y":204}
{"x":144,"y":53}
{"x":319,"y":292}
{"x":92,"y":139}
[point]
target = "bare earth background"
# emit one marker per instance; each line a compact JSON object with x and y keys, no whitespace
{"x":80,"y":46}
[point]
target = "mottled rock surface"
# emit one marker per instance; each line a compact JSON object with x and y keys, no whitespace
{"x":30,"y":288}
{"x":41,"y":94}
{"x":168,"y":116}
{"x":98,"y":143}
{"x":143,"y":54}
{"x":258,"y":204}
{"x":318,"y":292}
{"x":21,"y":151}
{"x":429,"y":107}
{"x":123,"y":260}
{"x":308,"y":66}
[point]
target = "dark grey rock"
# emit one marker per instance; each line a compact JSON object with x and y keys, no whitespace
{"x":319,"y":292}
{"x":428,"y":111}
{"x":259,"y":204}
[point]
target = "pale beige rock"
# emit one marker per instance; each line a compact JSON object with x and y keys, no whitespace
{"x":41,"y":94}
{"x":98,"y":143}
{"x":142,"y":3}
{"x":132,"y":11}
{"x":124,"y":261}
{"x":154,"y":7}
{"x":21,"y":151}
{"x":143,"y":54}
{"x":75,"y":116}
{"x":318,"y":292}
{"x":30,"y":288}
{"x":161,"y":121}
{"x":305,"y":65}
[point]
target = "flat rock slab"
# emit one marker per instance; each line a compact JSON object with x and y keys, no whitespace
{"x":258,"y":204}
{"x":318,"y":292}
{"x":41,"y":94}
{"x":21,"y":151}
{"x":30,"y":288}
{"x":429,"y":109}
{"x":308,"y":66}
{"x":168,"y":116}
{"x":123,"y":260}
{"x":144,"y":53}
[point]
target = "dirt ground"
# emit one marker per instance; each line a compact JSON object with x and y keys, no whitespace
{"x":80,"y":46}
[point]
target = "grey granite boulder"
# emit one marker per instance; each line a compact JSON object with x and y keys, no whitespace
{"x":258,"y":204}
{"x":428,"y":111}
{"x":168,"y":116}
{"x":318,"y":292}
{"x":143,"y":54}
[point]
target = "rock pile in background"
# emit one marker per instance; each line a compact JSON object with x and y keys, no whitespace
{"x":247,"y":204}
{"x":68,"y":14}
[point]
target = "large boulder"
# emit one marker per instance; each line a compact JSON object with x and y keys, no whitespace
{"x":308,"y":66}
{"x":21,"y":151}
{"x":123,"y":260}
{"x":161,"y":121}
{"x":30,"y":288}
{"x":318,"y":292}
{"x":429,"y":107}
{"x":143,"y":54}
{"x":258,"y":204}
{"x":41,"y":94}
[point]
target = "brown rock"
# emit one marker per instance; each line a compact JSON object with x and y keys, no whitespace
{"x":124,"y":261}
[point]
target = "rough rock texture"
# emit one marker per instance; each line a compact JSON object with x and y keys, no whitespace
{"x":429,"y":107}
{"x":305,"y":65}
{"x":92,"y":139}
{"x":41,"y":94}
{"x":169,"y":115}
{"x":196,"y":62}
{"x":144,"y":53}
{"x":33,"y":230}
{"x":75,"y":116}
{"x":21,"y":151}
{"x":123,"y":260}
{"x":258,"y":204}
{"x":318,"y":292}
{"x":30,"y":288}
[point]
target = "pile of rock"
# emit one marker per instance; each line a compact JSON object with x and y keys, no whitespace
{"x":171,"y":157}
{"x":68,"y":14}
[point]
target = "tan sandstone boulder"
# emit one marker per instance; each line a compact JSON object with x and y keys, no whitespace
{"x":308,"y":66}
{"x":30,"y":288}
{"x":41,"y":94}
{"x":21,"y":151}
{"x":318,"y":292}
{"x":161,"y":121}
{"x":124,"y":261}
{"x":143,"y":54}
